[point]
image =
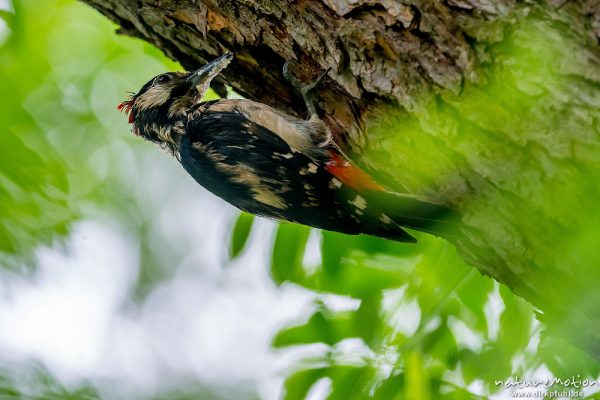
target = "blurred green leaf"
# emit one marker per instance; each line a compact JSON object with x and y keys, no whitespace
{"x":323,"y":326}
{"x":361,"y":266}
{"x":347,"y":382}
{"x":335,"y":246}
{"x":8,"y":17}
{"x":38,"y":384}
{"x":515,"y":323}
{"x":361,"y":276}
{"x":565,"y":361}
{"x":417,"y":381}
{"x":7,"y":391}
{"x":299,"y":383}
{"x":441,"y":344}
{"x":288,"y":251}
{"x":350,"y":382}
{"x":489,"y":365}
{"x":474,"y":298}
{"x":330,"y":327}
{"x":240,"y":234}
{"x":391,"y":387}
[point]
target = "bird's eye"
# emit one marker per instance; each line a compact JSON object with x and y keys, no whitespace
{"x":164,"y":78}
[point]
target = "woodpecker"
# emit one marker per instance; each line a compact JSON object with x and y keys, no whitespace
{"x":268,"y":163}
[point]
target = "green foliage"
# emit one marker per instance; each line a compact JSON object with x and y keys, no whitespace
{"x":38,"y":384}
{"x":66,"y":151}
{"x":426,"y":325}
{"x":63,"y":145}
{"x":34,"y":382}
{"x":288,"y":250}
{"x":240,"y":234}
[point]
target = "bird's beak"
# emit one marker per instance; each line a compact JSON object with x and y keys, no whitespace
{"x":202,"y":77}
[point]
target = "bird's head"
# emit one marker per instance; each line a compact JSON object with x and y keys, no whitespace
{"x":166,"y":98}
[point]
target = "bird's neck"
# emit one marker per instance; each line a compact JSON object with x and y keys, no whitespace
{"x":166,"y":132}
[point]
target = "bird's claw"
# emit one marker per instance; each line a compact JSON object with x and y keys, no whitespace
{"x":287,"y":74}
{"x":306,"y":90}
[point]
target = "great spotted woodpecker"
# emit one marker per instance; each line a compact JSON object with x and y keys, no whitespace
{"x":269,"y":163}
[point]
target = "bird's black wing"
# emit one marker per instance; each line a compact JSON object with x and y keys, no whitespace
{"x":255,"y":170}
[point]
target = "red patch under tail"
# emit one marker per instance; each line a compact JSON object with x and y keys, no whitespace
{"x":350,"y":175}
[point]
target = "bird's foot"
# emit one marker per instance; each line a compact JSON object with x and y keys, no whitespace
{"x":308,"y":91}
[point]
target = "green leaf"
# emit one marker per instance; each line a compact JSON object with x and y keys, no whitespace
{"x":391,"y":388}
{"x":336,"y":246}
{"x":417,"y":380}
{"x":298,"y":384}
{"x":362,"y":276}
{"x":8,"y":17}
{"x":489,"y":365}
{"x":350,"y":382}
{"x":288,"y":251}
{"x":322,"y":327}
{"x":326,"y":326}
{"x":347,"y":382}
{"x":362,"y":266}
{"x":515,"y":323}
{"x":474,"y":296}
{"x":441,"y":344}
{"x":240,"y":234}
{"x":563,"y":358}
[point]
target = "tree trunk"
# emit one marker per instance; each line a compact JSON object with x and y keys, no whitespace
{"x":491,"y":107}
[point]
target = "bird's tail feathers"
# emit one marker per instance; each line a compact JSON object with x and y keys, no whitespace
{"x":398,"y":210}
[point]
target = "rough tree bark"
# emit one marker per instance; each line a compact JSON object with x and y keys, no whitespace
{"x":491,"y":107}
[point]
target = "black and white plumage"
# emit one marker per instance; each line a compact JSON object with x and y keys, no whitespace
{"x":269,"y":163}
